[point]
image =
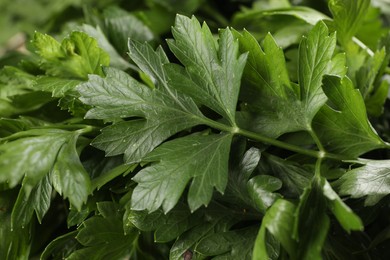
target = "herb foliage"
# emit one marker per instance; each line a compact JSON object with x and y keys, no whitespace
{"x":264,"y":140}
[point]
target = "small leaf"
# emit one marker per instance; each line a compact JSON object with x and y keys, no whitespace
{"x":68,"y":176}
{"x":315,"y":52}
{"x":261,"y":190}
{"x":267,"y":88}
{"x":66,"y":244}
{"x":348,"y":220}
{"x":348,"y":16}
{"x":59,"y":87}
{"x":37,"y":200}
{"x":372,"y":180}
{"x":14,"y":243}
{"x":105,"y":177}
{"x":166,"y":227}
{"x":121,"y":26}
{"x":239,"y":174}
{"x":76,"y":56}
{"x":279,"y":222}
{"x":338,"y":65}
{"x":103,"y":238}
{"x":235,"y":244}
{"x":116,"y":60}
{"x":375,"y":104}
{"x":368,"y":72}
{"x":17,"y":157}
{"x":295,"y":177}
{"x":311,"y":223}
{"x":162,"y":183}
{"x":216,"y":220}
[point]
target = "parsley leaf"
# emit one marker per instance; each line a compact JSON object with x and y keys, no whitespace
{"x":120,"y":96}
{"x":162,"y":183}
{"x":348,"y":16}
{"x":270,"y":89}
{"x":343,"y":126}
{"x":370,"y":181}
{"x":213,"y":71}
{"x":76,"y":56}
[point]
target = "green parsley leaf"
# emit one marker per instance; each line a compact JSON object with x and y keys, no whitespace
{"x":348,"y":16}
{"x":75,"y":57}
{"x":215,"y":71}
{"x":68,"y":176}
{"x":37,"y":200}
{"x":315,"y":52}
{"x":121,"y":25}
{"x":370,"y":181}
{"x":103,"y":238}
{"x":162,"y":183}
{"x":234,"y":244}
{"x":120,"y":96}
{"x":167,"y":227}
{"x":279,"y":222}
{"x":15,"y":243}
{"x":17,"y":157}
{"x":343,"y":126}
{"x":311,"y":240}
{"x":269,"y":85}
{"x":347,"y":219}
{"x":261,"y":189}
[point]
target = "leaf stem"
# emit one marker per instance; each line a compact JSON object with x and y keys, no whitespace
{"x":316,"y":139}
{"x":267,"y":140}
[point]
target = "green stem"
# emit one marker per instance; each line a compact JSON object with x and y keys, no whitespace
{"x":267,"y":140}
{"x":317,"y":173}
{"x":82,"y":128}
{"x":316,"y":140}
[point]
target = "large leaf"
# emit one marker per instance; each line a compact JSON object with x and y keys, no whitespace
{"x":212,"y":72}
{"x":162,"y":183}
{"x":120,"y":96}
{"x":372,"y":181}
{"x":269,"y":87}
{"x":343,"y":126}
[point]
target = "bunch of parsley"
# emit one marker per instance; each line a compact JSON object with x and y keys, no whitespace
{"x":265,"y":139}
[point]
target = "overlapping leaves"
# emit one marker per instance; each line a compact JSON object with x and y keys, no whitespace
{"x":211,"y":77}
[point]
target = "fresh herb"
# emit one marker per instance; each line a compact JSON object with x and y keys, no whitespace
{"x":265,"y":140}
